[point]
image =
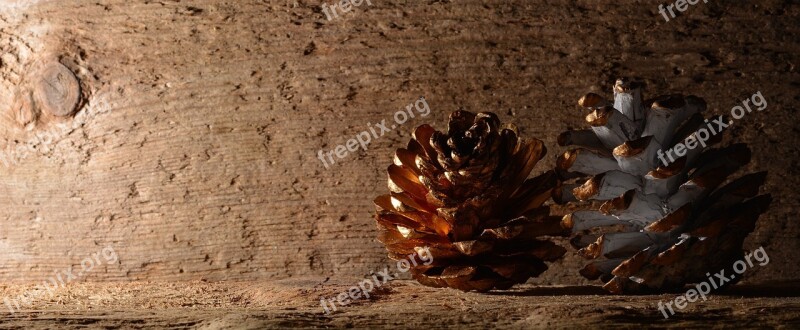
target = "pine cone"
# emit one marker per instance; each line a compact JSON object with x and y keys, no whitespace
{"x":674,"y":221}
{"x":464,"y":196}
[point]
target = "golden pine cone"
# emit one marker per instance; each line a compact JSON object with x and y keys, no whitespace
{"x":675,"y":222}
{"x":464,"y":196}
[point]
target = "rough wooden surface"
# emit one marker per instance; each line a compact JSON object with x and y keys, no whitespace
{"x":194,"y":151}
{"x":399,"y":305}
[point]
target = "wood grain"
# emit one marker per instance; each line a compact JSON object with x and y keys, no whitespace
{"x":194,"y":154}
{"x":400,"y":304}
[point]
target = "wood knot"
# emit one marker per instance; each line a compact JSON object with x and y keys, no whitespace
{"x":57,"y":90}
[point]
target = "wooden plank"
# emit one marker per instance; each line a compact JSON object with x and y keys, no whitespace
{"x":194,"y":152}
{"x":400,"y":304}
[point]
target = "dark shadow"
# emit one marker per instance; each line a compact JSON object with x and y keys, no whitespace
{"x":580,"y":290}
{"x":761,"y":290}
{"x":766,"y":290}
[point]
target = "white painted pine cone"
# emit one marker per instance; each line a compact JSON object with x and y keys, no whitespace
{"x":667,"y":219}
